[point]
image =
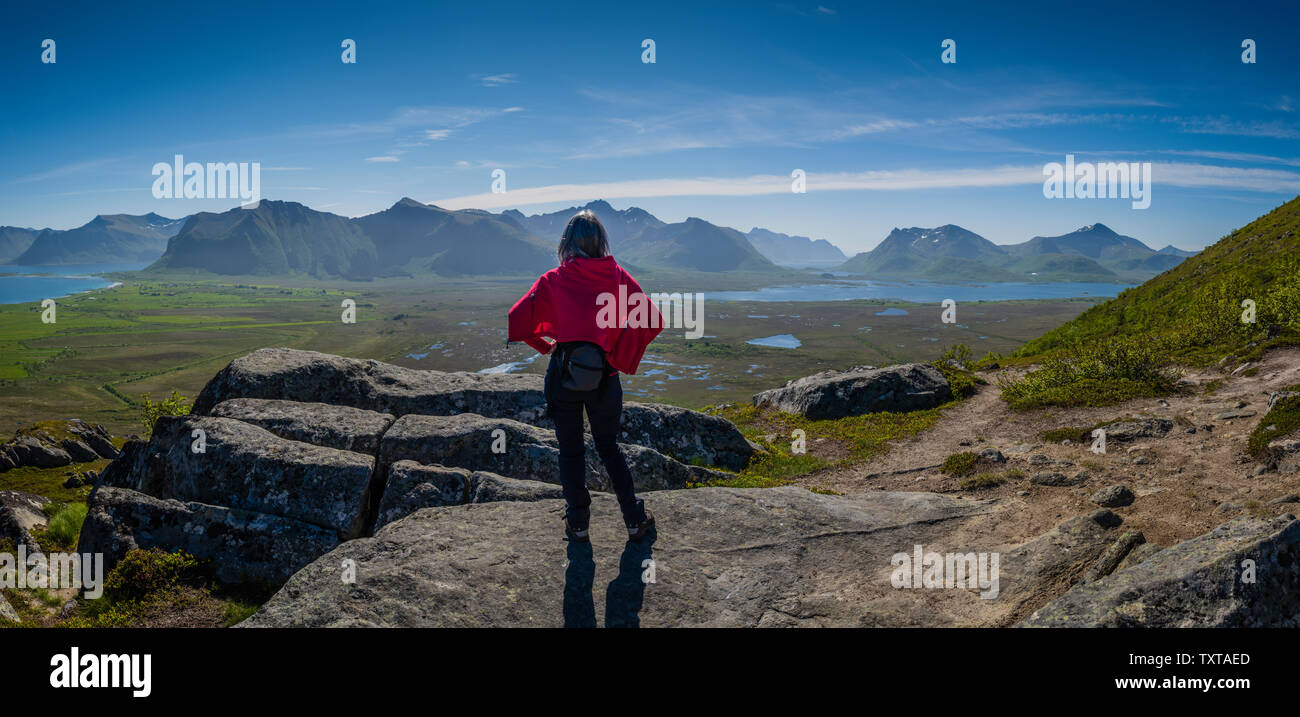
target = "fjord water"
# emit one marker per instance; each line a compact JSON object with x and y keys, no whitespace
{"x":923,"y":292}
{"x":19,"y":283}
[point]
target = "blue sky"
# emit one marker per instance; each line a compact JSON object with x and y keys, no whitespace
{"x":740,"y":94}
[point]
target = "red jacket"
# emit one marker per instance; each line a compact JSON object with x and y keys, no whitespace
{"x":563,"y":305}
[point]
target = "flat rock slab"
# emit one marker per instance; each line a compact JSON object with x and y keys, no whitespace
{"x":721,"y":557}
{"x":1197,"y":583}
{"x":242,"y":546}
{"x":320,"y":424}
{"x":527,"y":452}
{"x":372,"y":385}
{"x":836,"y":394}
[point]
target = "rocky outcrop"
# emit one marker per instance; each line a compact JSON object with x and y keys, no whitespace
{"x":242,"y":546}
{"x":721,"y":557}
{"x":248,"y":468}
{"x":258,"y":468}
{"x":859,"y":390}
{"x":293,"y":375}
{"x":1241,"y":574}
{"x":37,"y":447}
{"x":257,"y":505}
{"x":20,"y":514}
{"x":31,"y":451}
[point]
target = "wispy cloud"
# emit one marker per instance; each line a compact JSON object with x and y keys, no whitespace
{"x":404,"y":119}
{"x":437,"y":133}
{"x":1224,"y":125}
{"x":1172,"y":174}
{"x":505,"y":78}
{"x":382,"y":159}
{"x":65,"y":170}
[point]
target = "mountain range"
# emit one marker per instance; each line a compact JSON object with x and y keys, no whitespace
{"x":641,"y":239}
{"x":409,"y":238}
{"x":796,"y":251}
{"x":951,"y":253}
{"x":412,"y":239}
{"x":106,"y":239}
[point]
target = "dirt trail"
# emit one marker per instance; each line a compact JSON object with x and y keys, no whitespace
{"x":1186,"y":483}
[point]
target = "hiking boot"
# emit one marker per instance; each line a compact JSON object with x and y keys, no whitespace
{"x":576,"y":524}
{"x":577,"y":535}
{"x":639,"y":531}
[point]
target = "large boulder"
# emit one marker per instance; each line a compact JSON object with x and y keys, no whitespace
{"x":248,"y":468}
{"x":320,"y":424}
{"x":1241,"y":574}
{"x":242,"y":546}
{"x":720,"y":557}
{"x":527,"y":452}
{"x":859,"y":390}
{"x":294,"y":375}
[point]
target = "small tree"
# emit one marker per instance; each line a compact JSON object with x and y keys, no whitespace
{"x":173,"y":405}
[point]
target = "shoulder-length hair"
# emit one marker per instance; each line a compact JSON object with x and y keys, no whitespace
{"x":584,"y":236}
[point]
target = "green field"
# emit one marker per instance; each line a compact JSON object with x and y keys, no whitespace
{"x":148,"y":337}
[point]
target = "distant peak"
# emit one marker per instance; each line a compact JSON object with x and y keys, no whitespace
{"x":1098,"y":228}
{"x":408,"y":202}
{"x":599,"y":204}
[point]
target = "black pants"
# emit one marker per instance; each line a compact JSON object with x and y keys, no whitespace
{"x":604,"y":409}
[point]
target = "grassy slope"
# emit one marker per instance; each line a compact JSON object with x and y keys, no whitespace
{"x":1198,"y":295}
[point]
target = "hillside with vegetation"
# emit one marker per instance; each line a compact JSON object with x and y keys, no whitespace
{"x":1195,"y":310}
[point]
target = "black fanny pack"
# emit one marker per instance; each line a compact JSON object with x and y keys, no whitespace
{"x":582,"y":366}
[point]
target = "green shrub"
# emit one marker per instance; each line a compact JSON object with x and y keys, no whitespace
{"x":960,"y":464}
{"x":173,"y":405}
{"x":1282,"y":419}
{"x":142,"y":573}
{"x":1096,"y":375}
{"x":955,"y":364}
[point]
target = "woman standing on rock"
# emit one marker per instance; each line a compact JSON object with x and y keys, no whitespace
{"x":562,"y":315}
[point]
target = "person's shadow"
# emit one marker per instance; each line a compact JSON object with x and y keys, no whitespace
{"x":579,"y":608}
{"x":625,"y":593}
{"x":623,"y":597}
